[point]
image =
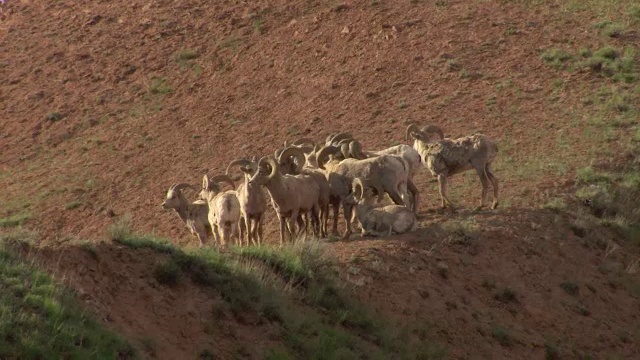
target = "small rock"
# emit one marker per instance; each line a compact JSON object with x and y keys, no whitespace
{"x":535,"y":226}
{"x":345,"y":30}
{"x":443,"y":269}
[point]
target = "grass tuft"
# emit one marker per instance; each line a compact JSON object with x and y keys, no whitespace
{"x":14,"y":220}
{"x":40,"y":319}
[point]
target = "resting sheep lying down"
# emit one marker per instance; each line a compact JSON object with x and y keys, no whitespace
{"x":376,"y":220}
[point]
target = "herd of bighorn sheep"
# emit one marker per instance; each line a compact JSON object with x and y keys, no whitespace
{"x":304,"y":179}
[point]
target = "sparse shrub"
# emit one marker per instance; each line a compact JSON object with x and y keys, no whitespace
{"x":158,"y":85}
{"x":588,"y":175}
{"x":551,"y":352}
{"x":634,"y":12}
{"x":555,"y":57}
{"x":54,"y":116}
{"x":613,"y":30}
{"x":502,"y":335}
{"x":506,"y":295}
{"x":462,"y":232}
{"x":555,"y":204}
{"x":14,"y":220}
{"x":582,"y":310}
{"x":73,"y":205}
{"x":167,"y":273}
{"x":187,"y":55}
{"x":570,"y":288}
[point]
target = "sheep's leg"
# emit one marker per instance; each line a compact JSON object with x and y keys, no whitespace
{"x":336,"y":211}
{"x":292,"y":224}
{"x":226,"y":232}
{"x":259,"y":228}
{"x":324,"y":219}
{"x":347,"y":217}
{"x":494,"y":183}
{"x":484,"y":179}
{"x":244,"y":230}
{"x":283,"y":228}
{"x":414,"y":193}
{"x":216,"y":233}
{"x":251,"y":231}
{"x":303,"y":221}
{"x":315,"y":218}
{"x":442,"y":184}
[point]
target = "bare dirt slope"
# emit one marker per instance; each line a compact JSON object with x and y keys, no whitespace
{"x":105,"y":104}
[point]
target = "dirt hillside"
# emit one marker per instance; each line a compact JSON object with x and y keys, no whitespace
{"x":105,"y":104}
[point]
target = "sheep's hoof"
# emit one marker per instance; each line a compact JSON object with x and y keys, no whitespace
{"x":480,"y":207}
{"x":494,"y":205}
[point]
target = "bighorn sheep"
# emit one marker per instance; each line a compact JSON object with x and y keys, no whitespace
{"x":291,"y":196}
{"x":446,"y":157}
{"x":224,"y":207}
{"x":291,"y":161}
{"x":385,"y":172}
{"x":354,"y":150}
{"x":193,"y":214}
{"x":386,"y":220}
{"x":253,"y":202}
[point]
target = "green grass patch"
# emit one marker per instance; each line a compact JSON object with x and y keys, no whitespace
{"x":293,"y":286}
{"x":40,"y":320}
{"x":159,"y":86}
{"x":14,"y":220}
{"x":555,"y":204}
{"x":556,"y":58}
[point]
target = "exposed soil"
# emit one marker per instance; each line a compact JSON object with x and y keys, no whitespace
{"x":105,"y":104}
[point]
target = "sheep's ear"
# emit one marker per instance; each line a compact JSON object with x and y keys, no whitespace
{"x":205,"y":182}
{"x":245,"y":169}
{"x":200,"y":202}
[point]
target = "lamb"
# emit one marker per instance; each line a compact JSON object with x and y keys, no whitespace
{"x":379,"y":221}
{"x":224,"y":207}
{"x":446,"y":157}
{"x":291,"y":196}
{"x":193,"y":214}
{"x":292,"y":161}
{"x":253,"y":202}
{"x":385,"y":172}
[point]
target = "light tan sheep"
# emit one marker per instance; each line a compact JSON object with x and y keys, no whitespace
{"x":446,"y":157}
{"x":224,"y":207}
{"x":194,"y":215}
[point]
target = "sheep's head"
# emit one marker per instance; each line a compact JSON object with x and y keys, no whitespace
{"x":248,"y":167}
{"x":355,"y":150}
{"x":291,"y":160}
{"x":175,"y":199}
{"x":267,"y":170}
{"x":364,"y":192}
{"x":323,"y":155}
{"x":427,"y":134}
{"x":334,"y":139}
{"x":211,"y":186}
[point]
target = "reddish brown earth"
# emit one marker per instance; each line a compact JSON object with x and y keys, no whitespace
{"x":87,"y":136}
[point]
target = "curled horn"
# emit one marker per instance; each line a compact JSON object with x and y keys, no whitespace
{"x":412,"y":130}
{"x":303,"y":141}
{"x":278,"y":152}
{"x":223,"y":177}
{"x":237,"y":162}
{"x":433,"y":129}
{"x":267,"y":160}
{"x":341,"y":136}
{"x":344,"y":149}
{"x":324,"y":153}
{"x":358,"y":188}
{"x":179,"y":187}
{"x":295,"y":152}
{"x":355,"y":149}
